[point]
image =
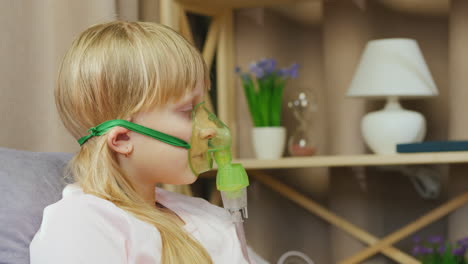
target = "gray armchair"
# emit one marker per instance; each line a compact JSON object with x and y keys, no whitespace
{"x":29,"y":181}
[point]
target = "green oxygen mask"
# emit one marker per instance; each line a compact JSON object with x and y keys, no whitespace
{"x":211,"y":140}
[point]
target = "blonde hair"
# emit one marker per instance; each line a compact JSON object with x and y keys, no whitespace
{"x":113,"y":71}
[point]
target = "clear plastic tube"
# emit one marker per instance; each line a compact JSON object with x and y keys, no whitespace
{"x":241,"y":234}
{"x":236,"y":204}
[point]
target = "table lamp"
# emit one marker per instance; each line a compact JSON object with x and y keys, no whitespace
{"x":392,"y":69}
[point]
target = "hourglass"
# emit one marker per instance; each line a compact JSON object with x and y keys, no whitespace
{"x":303,"y":140}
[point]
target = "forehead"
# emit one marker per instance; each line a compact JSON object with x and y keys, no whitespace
{"x":197,"y":91}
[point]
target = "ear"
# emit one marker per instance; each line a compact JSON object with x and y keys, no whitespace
{"x":118,"y":140}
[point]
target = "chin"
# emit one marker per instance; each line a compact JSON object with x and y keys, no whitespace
{"x":186,"y":178}
{"x":191,"y":179}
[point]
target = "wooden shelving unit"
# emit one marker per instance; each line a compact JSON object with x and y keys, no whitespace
{"x":220,"y":40}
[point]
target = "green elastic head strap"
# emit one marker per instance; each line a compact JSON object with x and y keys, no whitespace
{"x":104,"y":127}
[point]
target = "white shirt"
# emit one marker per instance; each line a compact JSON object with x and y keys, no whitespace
{"x":83,"y":228}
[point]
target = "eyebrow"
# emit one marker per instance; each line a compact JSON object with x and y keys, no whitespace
{"x":188,"y":98}
{"x":185,"y":101}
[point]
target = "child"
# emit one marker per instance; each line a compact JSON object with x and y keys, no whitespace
{"x":146,"y":74}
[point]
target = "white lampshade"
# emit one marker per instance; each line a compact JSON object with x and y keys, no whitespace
{"x":392,"y":67}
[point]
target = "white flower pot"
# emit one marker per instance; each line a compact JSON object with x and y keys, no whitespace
{"x":269,"y":142}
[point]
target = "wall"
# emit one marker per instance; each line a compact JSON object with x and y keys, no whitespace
{"x":384,"y":201}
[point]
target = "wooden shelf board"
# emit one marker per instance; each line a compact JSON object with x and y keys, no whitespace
{"x":220,"y":4}
{"x":357,"y":160}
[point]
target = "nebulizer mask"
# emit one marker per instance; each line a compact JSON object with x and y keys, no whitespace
{"x":210,"y":141}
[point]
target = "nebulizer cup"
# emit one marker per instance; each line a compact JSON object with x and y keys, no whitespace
{"x":211,"y":139}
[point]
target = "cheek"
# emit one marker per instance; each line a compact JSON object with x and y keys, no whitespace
{"x":183,"y":131}
{"x":180,"y":127}
{"x":158,"y":162}
{"x":174,"y":169}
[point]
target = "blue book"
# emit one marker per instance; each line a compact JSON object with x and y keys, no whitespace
{"x":433,"y":146}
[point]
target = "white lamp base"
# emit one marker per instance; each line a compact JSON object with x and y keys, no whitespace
{"x":383,"y":130}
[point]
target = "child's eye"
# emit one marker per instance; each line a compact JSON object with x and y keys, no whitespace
{"x":187,"y":113}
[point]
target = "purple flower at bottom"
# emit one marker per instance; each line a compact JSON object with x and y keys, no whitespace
{"x":428,"y":251}
{"x":417,"y":239}
{"x":435,"y":239}
{"x":463,"y":241}
{"x":416,"y":250}
{"x":420,"y":250}
{"x":441,"y":249}
{"x":459,"y":251}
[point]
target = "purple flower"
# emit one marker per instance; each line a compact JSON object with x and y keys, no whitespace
{"x":463,"y":241}
{"x":271,"y":66}
{"x":441,"y":249}
{"x":428,"y":251}
{"x":416,"y":250}
{"x":257,"y":70}
{"x":459,"y":251}
{"x":268,"y":65}
{"x":417,"y":239}
{"x":420,"y":250}
{"x":293,"y":70}
{"x":283,"y":73}
{"x":263,"y":63}
{"x":435,"y":239}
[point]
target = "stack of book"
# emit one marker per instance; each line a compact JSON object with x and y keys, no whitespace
{"x":433,"y":146}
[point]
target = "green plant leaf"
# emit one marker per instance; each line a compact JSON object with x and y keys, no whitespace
{"x":250,"y":94}
{"x":264,"y":97}
{"x":278,"y":99}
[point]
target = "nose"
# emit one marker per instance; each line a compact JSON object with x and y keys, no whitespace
{"x":207,"y":133}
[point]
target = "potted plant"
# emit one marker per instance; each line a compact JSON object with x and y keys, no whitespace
{"x":435,"y":250}
{"x":263,"y":87}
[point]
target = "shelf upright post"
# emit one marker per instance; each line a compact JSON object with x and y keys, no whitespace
{"x":225,"y":75}
{"x":169,"y":13}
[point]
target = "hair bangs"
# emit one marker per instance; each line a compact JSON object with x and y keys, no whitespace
{"x":171,"y":70}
